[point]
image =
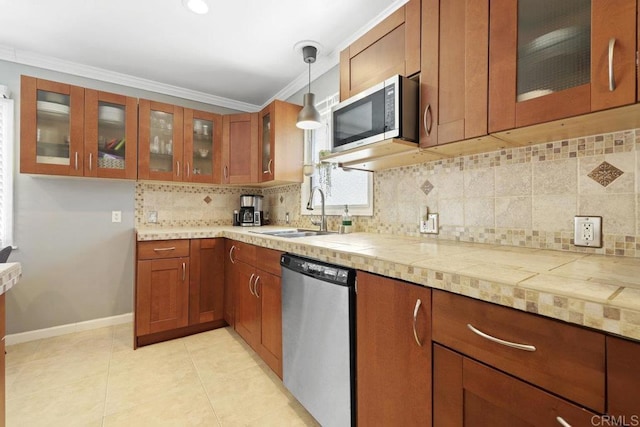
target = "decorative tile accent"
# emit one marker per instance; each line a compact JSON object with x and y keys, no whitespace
{"x":427,"y":187}
{"x":207,"y":200}
{"x":281,"y":199}
{"x":605,"y":174}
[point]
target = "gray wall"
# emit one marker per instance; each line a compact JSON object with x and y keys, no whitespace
{"x":77,"y":265}
{"x":325,"y":85}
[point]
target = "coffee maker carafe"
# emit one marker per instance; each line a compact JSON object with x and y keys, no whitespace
{"x":247,"y":210}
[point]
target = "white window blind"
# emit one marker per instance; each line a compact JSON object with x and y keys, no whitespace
{"x":6,"y":172}
{"x":341,"y":187}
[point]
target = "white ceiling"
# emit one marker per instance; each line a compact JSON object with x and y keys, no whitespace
{"x":240,"y":55}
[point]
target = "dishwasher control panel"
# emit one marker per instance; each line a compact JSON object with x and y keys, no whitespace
{"x":318,"y":269}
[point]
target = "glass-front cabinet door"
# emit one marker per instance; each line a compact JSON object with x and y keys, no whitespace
{"x":266,"y":144}
{"x":553,"y":59}
{"x":161,"y":141}
{"x":202,"y":146}
{"x":51,"y":127}
{"x":111,"y":135}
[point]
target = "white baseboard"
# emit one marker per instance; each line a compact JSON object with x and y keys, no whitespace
{"x":67,"y":329}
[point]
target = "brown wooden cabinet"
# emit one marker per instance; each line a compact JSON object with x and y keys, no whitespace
{"x":468,"y":393}
{"x":73,"y":131}
{"x":623,"y":380}
{"x":281,"y":149}
{"x":393,"y":352}
{"x":391,"y":47}
{"x":455,"y":64}
{"x":254,"y":275}
{"x":550,"y":60}
{"x":202,"y":155}
{"x":240,"y":149}
{"x":179,"y":288}
{"x":160,"y":154}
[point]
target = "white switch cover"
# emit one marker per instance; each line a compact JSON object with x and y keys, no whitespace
{"x":152,"y":217}
{"x":116,"y":216}
{"x":430,"y":225}
{"x":588,"y":231}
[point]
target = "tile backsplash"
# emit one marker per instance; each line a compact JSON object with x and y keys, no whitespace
{"x":524,"y":196}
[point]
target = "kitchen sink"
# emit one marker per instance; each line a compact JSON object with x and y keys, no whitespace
{"x":299,"y":232}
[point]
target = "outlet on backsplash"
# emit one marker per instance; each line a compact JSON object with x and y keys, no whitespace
{"x":428,"y":221}
{"x":152,"y":217}
{"x":588,"y":231}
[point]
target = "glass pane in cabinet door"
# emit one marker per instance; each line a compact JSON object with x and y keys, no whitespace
{"x":554,"y":46}
{"x":202,"y":147}
{"x":111,"y":136}
{"x":53,"y":128}
{"x":266,"y":144}
{"x":161,"y":142}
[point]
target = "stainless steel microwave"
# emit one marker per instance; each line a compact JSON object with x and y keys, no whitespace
{"x":385,"y":111}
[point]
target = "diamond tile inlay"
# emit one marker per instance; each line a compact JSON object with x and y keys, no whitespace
{"x":207,"y":200}
{"x":605,"y":174}
{"x":281,"y":199}
{"x":427,"y":187}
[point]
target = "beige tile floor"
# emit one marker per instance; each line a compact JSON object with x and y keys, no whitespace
{"x":95,"y":378}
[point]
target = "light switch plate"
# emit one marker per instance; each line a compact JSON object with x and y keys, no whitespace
{"x":588,"y":231}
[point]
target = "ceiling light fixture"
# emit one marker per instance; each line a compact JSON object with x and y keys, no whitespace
{"x":309,"y":117}
{"x":196,"y":6}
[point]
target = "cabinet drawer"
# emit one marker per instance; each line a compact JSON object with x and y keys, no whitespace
{"x":243,"y":252}
{"x":567,"y":360}
{"x":268,"y":260}
{"x":158,"y":249}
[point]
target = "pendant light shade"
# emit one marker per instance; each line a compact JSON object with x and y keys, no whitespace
{"x":309,"y":117}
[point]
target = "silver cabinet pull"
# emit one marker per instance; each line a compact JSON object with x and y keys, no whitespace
{"x":269,"y":167}
{"x":188,"y":171}
{"x":427,"y":126}
{"x":226,"y":172}
{"x":255,"y":287}
{"x":177,"y":167}
{"x":172,"y":248}
{"x":231,"y":254}
{"x":415,"y":319}
{"x":251,"y":284}
{"x":525,"y":347}
{"x":184,"y":271}
{"x":76,"y":160}
{"x":90,"y":161}
{"x":612,"y":79}
{"x":562,"y":422}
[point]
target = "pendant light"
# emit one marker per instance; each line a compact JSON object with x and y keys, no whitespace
{"x":309,"y":117}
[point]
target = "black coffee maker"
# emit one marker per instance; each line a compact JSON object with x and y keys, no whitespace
{"x":247,"y":210}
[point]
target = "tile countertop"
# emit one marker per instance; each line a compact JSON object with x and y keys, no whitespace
{"x":10,"y":274}
{"x":600,"y":292}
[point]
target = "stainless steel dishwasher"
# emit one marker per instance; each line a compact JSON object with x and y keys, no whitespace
{"x":318,"y":338}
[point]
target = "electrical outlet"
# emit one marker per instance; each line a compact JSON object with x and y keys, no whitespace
{"x":430,"y":224}
{"x":588,"y":231}
{"x":152,"y":217}
{"x":116,"y":216}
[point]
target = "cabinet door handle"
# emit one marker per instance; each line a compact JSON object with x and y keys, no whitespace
{"x":76,"y":156}
{"x":255,"y":287}
{"x":427,"y":126}
{"x":562,"y":422}
{"x":184,"y":271}
{"x":90,"y":161}
{"x":268,"y":171}
{"x":525,"y":347}
{"x":612,"y":79}
{"x":231,"y":254}
{"x":415,"y":319}
{"x":251,"y":284}
{"x":177,"y":167}
{"x":172,"y":248}
{"x":188,"y":170}
{"x":226,"y":172}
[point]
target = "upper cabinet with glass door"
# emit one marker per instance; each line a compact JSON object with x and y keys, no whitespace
{"x":202,"y":146}
{"x":553,"y":59}
{"x":161,"y":141}
{"x":111,"y":135}
{"x":281,"y":142}
{"x":51,"y":127}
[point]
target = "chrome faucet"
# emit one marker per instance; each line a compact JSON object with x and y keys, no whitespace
{"x":323,"y":220}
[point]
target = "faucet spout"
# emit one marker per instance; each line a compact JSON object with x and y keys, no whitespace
{"x":323,"y":220}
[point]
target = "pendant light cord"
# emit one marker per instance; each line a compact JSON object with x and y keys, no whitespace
{"x":309,"y":89}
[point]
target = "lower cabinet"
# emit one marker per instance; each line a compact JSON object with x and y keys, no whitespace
{"x":179,"y":288}
{"x":393,"y":352}
{"x":254,"y":277}
{"x":468,"y":393}
{"x":623,"y":381}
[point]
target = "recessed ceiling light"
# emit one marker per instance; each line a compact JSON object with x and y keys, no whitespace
{"x":196,"y":6}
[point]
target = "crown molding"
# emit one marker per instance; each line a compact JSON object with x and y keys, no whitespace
{"x":50,"y":63}
{"x":326,"y":62}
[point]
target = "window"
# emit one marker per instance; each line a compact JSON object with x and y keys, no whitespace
{"x":6,"y":172}
{"x":341,"y":187}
